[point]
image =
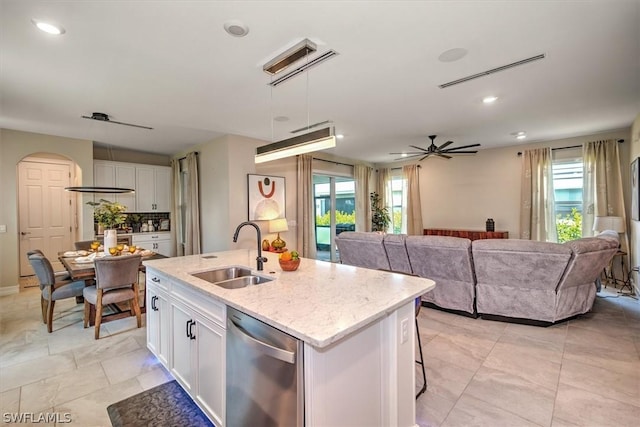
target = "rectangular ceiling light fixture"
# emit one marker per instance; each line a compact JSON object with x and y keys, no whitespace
{"x":313,"y":141}
{"x":289,"y":56}
{"x":493,"y":70}
{"x":317,"y":60}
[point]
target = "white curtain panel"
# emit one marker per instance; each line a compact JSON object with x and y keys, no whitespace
{"x":305,"y":231}
{"x":414,"y":206}
{"x":537,"y":209}
{"x":177,"y":212}
{"x":192,"y":220}
{"x":383,"y":187}
{"x":362,"y":176}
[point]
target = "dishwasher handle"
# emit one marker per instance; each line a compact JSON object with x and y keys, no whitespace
{"x":263,"y":347}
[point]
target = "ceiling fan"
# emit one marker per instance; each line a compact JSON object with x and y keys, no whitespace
{"x":102,"y":117}
{"x":434,"y":150}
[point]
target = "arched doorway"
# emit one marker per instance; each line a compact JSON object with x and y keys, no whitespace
{"x":46,"y":211}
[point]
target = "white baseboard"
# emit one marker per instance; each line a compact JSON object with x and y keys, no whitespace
{"x":9,"y":290}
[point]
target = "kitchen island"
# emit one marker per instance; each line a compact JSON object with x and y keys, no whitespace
{"x":357,"y":326}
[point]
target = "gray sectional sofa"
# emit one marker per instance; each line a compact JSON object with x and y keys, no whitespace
{"x":504,"y":279}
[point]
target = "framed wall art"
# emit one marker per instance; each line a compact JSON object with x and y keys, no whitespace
{"x":266,"y":197}
{"x":635,"y":188}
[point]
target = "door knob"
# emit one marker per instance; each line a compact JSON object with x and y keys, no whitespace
{"x":25,"y":232}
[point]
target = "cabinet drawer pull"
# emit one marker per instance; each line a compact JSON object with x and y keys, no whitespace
{"x":154,"y":299}
{"x":191,"y":334}
{"x":155,"y":279}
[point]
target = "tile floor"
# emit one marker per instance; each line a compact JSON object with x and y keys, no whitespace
{"x":585,"y":372}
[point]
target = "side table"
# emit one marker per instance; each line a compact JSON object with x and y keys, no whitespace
{"x":610,"y":276}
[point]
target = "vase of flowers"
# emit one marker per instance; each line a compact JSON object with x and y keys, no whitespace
{"x":109,"y":215}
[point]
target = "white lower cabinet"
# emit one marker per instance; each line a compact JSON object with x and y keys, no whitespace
{"x":193,"y":327}
{"x":157,"y":304}
{"x":157,"y":242}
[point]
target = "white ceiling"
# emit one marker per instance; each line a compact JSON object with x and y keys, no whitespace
{"x":171,"y":65}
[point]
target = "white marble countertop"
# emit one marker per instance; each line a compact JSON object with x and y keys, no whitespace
{"x":320,"y":303}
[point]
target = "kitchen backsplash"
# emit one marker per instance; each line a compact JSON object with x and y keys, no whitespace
{"x":135,"y":221}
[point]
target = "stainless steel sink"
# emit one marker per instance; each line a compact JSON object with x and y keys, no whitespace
{"x":231,"y":277}
{"x":241,"y":282}
{"x":220,"y":274}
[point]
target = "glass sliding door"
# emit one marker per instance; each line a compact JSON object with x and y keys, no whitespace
{"x":334,"y":201}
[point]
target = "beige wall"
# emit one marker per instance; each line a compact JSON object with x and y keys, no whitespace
{"x":466,"y":190}
{"x":130,"y":156}
{"x":14,"y":146}
{"x":224,"y":164}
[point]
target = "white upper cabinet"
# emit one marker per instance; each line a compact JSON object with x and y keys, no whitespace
{"x":115,"y":174}
{"x":152,"y":184}
{"x":153,"y":189}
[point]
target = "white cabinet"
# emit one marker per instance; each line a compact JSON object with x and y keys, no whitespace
{"x":153,"y":189}
{"x":157,"y":242}
{"x":196,"y":337}
{"x":198,"y":358}
{"x":158,"y":315}
{"x":152,"y":184}
{"x":116,"y":174}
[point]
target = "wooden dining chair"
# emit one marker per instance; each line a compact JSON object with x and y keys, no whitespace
{"x":84,"y":245}
{"x":60,"y":275}
{"x":116,"y":281}
{"x":52,"y":288}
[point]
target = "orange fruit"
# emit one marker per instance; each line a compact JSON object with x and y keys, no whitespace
{"x":286,"y":256}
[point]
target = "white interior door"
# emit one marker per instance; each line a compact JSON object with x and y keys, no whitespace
{"x":45,"y":210}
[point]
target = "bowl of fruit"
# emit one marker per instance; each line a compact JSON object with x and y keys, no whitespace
{"x":289,"y":261}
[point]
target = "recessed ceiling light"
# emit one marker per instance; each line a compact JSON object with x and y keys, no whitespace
{"x":521,"y":135}
{"x":236,"y":28}
{"x":48,"y":27}
{"x":489,"y":99}
{"x":340,"y":136}
{"x":452,"y":55}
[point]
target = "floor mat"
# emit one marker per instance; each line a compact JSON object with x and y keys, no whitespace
{"x":165,"y":405}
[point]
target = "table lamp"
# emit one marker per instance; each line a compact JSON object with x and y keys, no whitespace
{"x":615,"y":223}
{"x":276,"y":226}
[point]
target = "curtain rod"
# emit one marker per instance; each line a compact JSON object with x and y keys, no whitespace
{"x":620,"y":141}
{"x":333,"y":161}
{"x":182,"y":158}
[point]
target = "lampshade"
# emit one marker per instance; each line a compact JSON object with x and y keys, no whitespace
{"x":309,"y":142}
{"x":615,"y":223}
{"x":278,"y":225}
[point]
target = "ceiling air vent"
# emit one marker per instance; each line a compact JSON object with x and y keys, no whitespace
{"x":491,"y":71}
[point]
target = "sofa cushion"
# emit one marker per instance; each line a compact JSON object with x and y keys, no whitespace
{"x":395,"y":245}
{"x":447,"y":261}
{"x":362,"y":250}
{"x":521,"y":263}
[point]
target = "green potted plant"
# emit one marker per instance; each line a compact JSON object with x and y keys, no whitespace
{"x":108,"y":215}
{"x":380,"y":218}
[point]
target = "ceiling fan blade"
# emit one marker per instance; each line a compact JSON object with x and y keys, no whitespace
{"x":462,"y":152}
{"x":418,"y":148}
{"x":443,"y":155}
{"x":462,"y":147}
{"x":408,"y":153}
{"x":445,"y":144}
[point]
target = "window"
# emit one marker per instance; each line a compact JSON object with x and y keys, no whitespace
{"x":397,"y":186}
{"x":567,"y":186}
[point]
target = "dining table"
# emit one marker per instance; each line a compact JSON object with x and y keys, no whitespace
{"x":85,"y":270}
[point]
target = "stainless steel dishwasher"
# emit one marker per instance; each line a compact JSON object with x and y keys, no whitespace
{"x":264,"y":374}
